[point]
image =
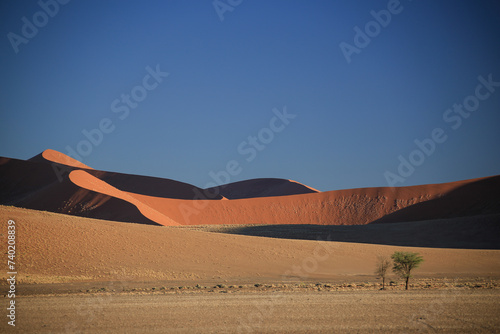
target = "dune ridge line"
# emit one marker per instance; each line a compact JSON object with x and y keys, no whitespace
{"x":85,"y":180}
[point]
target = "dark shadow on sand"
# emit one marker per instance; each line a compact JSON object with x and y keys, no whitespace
{"x":478,"y":232}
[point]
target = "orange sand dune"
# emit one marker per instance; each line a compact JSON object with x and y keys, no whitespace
{"x":344,"y":207}
{"x":100,"y":186}
{"x":63,"y":159}
{"x":90,"y":249}
{"x":59,"y":158}
{"x":146,"y":185}
{"x":43,"y":183}
{"x":36,"y":185}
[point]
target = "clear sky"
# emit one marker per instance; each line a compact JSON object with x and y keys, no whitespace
{"x":353,"y":88}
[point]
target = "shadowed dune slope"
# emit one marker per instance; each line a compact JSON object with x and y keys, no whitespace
{"x":146,"y":185}
{"x":43,"y":184}
{"x":89,"y":249}
{"x":102,"y":187}
{"x":36,"y":186}
{"x":477,"y":197}
{"x":261,"y":188}
{"x":342,"y":207}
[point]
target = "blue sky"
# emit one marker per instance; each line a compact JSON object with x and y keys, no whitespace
{"x":353,"y":121}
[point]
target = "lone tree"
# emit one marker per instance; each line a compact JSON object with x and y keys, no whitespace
{"x":383,"y":265}
{"x":404,"y":263}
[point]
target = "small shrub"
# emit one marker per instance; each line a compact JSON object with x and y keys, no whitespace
{"x":383,"y":265}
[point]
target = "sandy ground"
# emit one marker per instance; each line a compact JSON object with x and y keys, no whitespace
{"x":82,"y":275}
{"x":55,"y":248}
{"x":435,"y":311}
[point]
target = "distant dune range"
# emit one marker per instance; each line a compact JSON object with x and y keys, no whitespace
{"x":55,"y":182}
{"x":261,"y":188}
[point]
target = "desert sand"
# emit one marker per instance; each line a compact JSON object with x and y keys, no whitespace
{"x":423,"y":311}
{"x":58,"y":248}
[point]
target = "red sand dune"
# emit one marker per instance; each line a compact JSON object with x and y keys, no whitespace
{"x":145,"y":185}
{"x":99,"y":186}
{"x":343,"y":207}
{"x":131,"y":198}
{"x":59,"y":158}
{"x":43,"y":184}
{"x":36,"y":186}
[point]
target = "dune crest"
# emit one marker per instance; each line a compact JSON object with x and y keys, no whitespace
{"x":303,"y":185}
{"x":264,"y":187}
{"x":85,"y":180}
{"x":63,"y":159}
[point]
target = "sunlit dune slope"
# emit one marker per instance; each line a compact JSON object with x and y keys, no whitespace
{"x":102,"y":187}
{"x":342,"y":207}
{"x":54,"y":247}
{"x":58,"y":158}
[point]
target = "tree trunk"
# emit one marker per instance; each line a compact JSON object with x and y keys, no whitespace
{"x":383,"y":283}
{"x":407,"y":279}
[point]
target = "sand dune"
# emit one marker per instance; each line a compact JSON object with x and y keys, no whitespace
{"x":145,"y":185}
{"x":74,"y":248}
{"x":344,"y":207}
{"x":58,"y":158}
{"x":476,"y":197}
{"x":43,"y":183}
{"x":99,"y":186}
{"x":37,"y":186}
{"x":262,"y":188}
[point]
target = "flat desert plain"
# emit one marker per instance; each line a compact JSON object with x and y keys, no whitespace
{"x":417,"y":311}
{"x":93,"y":276}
